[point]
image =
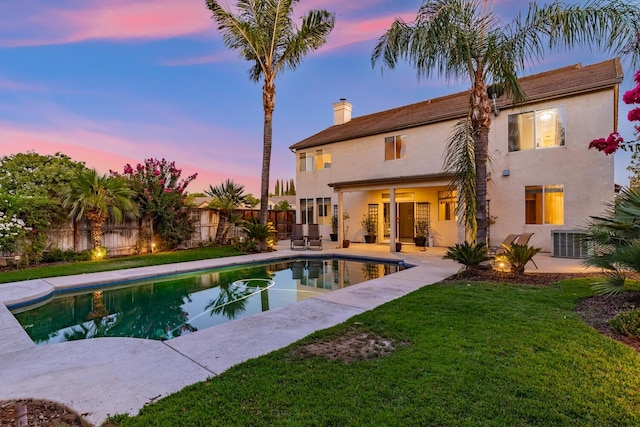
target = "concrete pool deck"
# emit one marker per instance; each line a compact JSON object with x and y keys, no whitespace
{"x":106,"y":376}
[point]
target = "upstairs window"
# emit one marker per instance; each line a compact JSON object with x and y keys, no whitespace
{"x":306,"y":162}
{"x":323,"y":160}
{"x":395,"y":147}
{"x":537,"y":129}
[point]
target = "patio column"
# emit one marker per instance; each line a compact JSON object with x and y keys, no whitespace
{"x":341,"y":235}
{"x":392,"y":219}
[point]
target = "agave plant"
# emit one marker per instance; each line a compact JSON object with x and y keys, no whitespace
{"x":517,"y":256}
{"x":471,"y":255}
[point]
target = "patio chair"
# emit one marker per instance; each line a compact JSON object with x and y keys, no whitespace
{"x":497,"y":250}
{"x":524,"y":239}
{"x":298,"y":240}
{"x":314,"y":239}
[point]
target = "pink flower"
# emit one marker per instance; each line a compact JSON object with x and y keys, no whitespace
{"x":156,"y":172}
{"x":609,"y":145}
{"x":636,"y":77}
{"x":168,"y":190}
{"x":128,"y":169}
{"x":161,"y":182}
{"x":634,"y":115}
{"x":632,"y":96}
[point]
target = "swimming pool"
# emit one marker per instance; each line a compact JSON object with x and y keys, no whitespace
{"x":167,"y":307}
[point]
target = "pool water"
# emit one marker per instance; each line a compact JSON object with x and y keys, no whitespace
{"x":167,"y":307}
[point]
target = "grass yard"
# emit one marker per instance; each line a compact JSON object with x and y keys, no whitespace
{"x":81,"y":267}
{"x":467,"y":354}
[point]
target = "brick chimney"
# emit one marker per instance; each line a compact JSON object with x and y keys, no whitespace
{"x":341,"y":112}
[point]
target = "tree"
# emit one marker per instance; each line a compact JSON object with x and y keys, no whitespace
{"x":634,"y":168}
{"x":264,"y":33}
{"x":292,"y":188}
{"x":31,"y":185}
{"x":227,"y":197}
{"x":466,"y":39}
{"x":98,"y":198}
{"x":277,"y":189}
{"x":161,"y":195}
{"x":251,"y":201}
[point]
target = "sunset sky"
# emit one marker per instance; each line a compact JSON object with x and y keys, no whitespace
{"x":111,"y":82}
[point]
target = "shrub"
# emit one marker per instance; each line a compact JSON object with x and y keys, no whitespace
{"x":627,"y":323}
{"x":256,"y":232}
{"x":58,"y":255}
{"x":517,"y":256}
{"x":471,"y":255}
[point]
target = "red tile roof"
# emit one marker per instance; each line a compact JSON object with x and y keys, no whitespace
{"x":562,"y":82}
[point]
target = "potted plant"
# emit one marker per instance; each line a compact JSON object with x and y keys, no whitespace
{"x":334,"y":229}
{"x":370,"y":224}
{"x":421,"y":233}
{"x":345,"y":229}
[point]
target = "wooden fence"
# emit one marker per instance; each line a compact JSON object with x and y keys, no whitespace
{"x":128,"y":238}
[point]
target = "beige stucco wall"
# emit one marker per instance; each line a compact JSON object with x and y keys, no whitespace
{"x":587,"y":175}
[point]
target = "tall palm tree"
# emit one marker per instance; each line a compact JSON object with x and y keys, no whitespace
{"x":264,"y":33}
{"x":466,"y":39}
{"x":98,"y":198}
{"x":227,"y":197}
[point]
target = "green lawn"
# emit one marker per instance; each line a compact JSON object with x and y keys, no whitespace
{"x":478,"y":354}
{"x":82,"y":267}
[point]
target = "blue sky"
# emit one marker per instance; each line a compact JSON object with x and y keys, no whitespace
{"x":111,"y":82}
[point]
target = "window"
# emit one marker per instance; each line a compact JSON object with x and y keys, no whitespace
{"x":324,"y":210}
{"x":448,"y":205}
{"x":544,"y":204}
{"x":306,"y":162}
{"x":323,"y":160}
{"x":537,"y":129}
{"x":306,"y":211}
{"x":394,"y":147}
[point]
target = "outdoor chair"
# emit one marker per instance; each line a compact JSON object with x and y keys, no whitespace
{"x":524,"y":239}
{"x":297,"y":270}
{"x":314,"y":239}
{"x":298,"y":240}
{"x":497,"y":250}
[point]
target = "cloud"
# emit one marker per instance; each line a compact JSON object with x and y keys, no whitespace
{"x":226,"y":55}
{"x":113,"y":20}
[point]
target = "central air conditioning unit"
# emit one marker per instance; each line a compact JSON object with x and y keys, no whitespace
{"x":568,"y":244}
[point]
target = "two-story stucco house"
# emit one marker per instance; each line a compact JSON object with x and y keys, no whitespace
{"x":543,"y":179}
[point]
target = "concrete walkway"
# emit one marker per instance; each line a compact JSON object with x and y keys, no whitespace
{"x":107,"y":376}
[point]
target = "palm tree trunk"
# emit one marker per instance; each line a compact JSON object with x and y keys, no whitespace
{"x":96,"y":231}
{"x":222,"y":223}
{"x":268,"y":99}
{"x":480,"y":121}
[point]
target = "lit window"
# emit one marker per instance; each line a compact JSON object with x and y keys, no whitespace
{"x":544,"y":204}
{"x":394,"y":147}
{"x":323,"y":160}
{"x":447,"y":205}
{"x":306,"y":211}
{"x":306,"y":162}
{"x":324,"y":210}
{"x":537,"y":129}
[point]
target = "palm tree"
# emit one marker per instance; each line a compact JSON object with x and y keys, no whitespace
{"x":227,"y":197}
{"x":98,"y":198}
{"x":466,"y":39}
{"x":615,"y":240}
{"x":263,"y":32}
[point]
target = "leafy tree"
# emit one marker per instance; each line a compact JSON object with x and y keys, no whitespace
{"x":31,"y":184}
{"x":251,"y":201}
{"x":227,"y":197}
{"x":292,"y":188}
{"x":98,"y":198}
{"x":466,"y":39}
{"x":283,"y":205}
{"x":518,"y":256}
{"x":634,"y":168}
{"x":264,"y":33}
{"x":161,"y":195}
{"x":277,"y":189}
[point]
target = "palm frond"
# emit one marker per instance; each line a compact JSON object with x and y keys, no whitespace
{"x":460,"y":160}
